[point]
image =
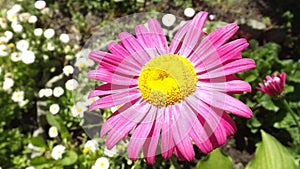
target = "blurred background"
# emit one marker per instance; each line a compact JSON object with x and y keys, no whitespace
{"x":42,"y":48}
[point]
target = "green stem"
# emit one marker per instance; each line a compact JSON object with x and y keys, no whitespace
{"x":292,"y":113}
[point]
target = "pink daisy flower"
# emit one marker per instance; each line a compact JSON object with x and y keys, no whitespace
{"x":171,"y":96}
{"x":273,"y":85}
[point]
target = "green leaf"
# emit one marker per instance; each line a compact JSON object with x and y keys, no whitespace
{"x":58,"y":122}
{"x":216,"y":159}
{"x":38,"y":141}
{"x":39,"y":161}
{"x":69,"y":158}
{"x":271,"y":154}
{"x":267,"y":103}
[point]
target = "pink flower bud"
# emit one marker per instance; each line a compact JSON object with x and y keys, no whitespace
{"x":273,"y":85}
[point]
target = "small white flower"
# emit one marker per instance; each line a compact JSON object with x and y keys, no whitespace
{"x":212,"y":17}
{"x":53,"y":132}
{"x":8,"y":35}
{"x":58,"y":151}
{"x":12,"y":16}
{"x":27,"y":57}
{"x":38,"y":31}
{"x":42,"y":93}
{"x":18,"y":96}
{"x":23,"y":103}
{"x":30,"y":167}
{"x":3,"y":39}
{"x":40,"y":4}
{"x":81,"y":63}
{"x":22,"y":45}
{"x":15,"y":57}
{"x":17,"y":27}
{"x":58,"y":91}
{"x":101,"y":163}
{"x":48,"y":92}
{"x":3,"y":23}
{"x":87,"y":101}
{"x":0,"y":69}
{"x":3,"y":50}
{"x":64,"y":38}
{"x":68,"y":69}
{"x":71,"y":84}
{"x":32,"y":19}
{"x":78,"y":109}
{"x":54,"y":108}
{"x":91,"y":145}
{"x":110,"y":153}
{"x":90,"y":63}
{"x":7,"y":84}
{"x":50,"y":46}
{"x":16,"y":8}
{"x":168,"y":19}
{"x":189,"y":12}
{"x":49,"y":33}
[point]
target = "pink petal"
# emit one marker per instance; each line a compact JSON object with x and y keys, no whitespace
{"x":134,"y":48}
{"x":233,"y":86}
{"x":146,"y":40}
{"x":224,"y":102}
{"x":221,"y":35}
{"x":194,"y":34}
{"x":167,"y":139}
{"x":140,"y":134}
{"x":109,"y":88}
{"x":158,"y":36}
{"x":118,"y":50}
{"x":229,"y":68}
{"x":185,"y":147}
{"x":228,"y":124}
{"x":232,"y":50}
{"x":107,"y":76}
{"x":177,"y":39}
{"x":115,"y":99}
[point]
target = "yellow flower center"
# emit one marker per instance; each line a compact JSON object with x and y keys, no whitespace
{"x":167,"y":80}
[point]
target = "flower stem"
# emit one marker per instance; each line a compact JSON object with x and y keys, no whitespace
{"x":292,"y":113}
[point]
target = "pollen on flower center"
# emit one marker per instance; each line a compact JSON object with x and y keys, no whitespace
{"x":167,"y":79}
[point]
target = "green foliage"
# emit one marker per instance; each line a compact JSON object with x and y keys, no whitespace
{"x":215,"y":159}
{"x":271,"y":154}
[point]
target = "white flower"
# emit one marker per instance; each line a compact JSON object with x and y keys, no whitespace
{"x":22,"y":45}
{"x":42,"y":93}
{"x":78,"y":109}
{"x":81,"y":63}
{"x":212,"y":17}
{"x":50,"y":46}
{"x":27,"y":57}
{"x":87,"y":101}
{"x":101,"y":163}
{"x":23,"y":103}
{"x":3,"y":23}
{"x":71,"y":84}
{"x":58,"y":91}
{"x":15,"y":57}
{"x":32,"y":19}
{"x":16,"y":8}
{"x":3,"y":50}
{"x":49,"y":33}
{"x":68,"y":69}
{"x":90,"y":63}
{"x":30,"y":167}
{"x":54,"y":108}
{"x":7,"y":84}
{"x":48,"y":92}
{"x":12,"y":16}
{"x":58,"y":151}
{"x":110,"y":153}
{"x":38,"y":31}
{"x":0,"y":69}
{"x":8,"y":35}
{"x":64,"y":38}
{"x":53,"y":132}
{"x":17,"y":27}
{"x":40,"y":4}
{"x":3,"y":39}
{"x":168,"y":19}
{"x":91,"y":145}
{"x":18,"y":96}
{"x":189,"y":12}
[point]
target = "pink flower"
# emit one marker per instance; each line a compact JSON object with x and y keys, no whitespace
{"x":171,"y":95}
{"x":273,"y":85}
